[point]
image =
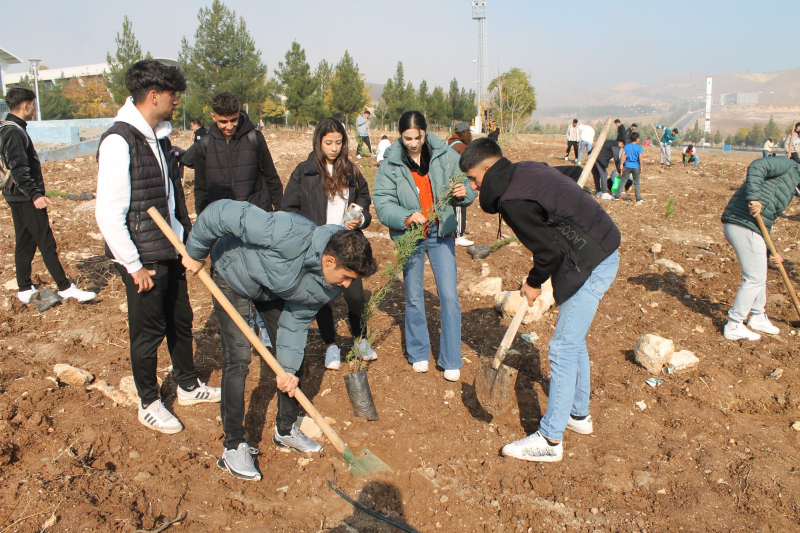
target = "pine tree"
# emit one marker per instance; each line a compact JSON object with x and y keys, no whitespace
{"x":347,"y":89}
{"x":128,"y":53}
{"x":423,"y":97}
{"x":223,"y":58}
{"x":297,"y":82}
{"x":717,"y":137}
{"x":772,"y":130}
{"x":438,"y":107}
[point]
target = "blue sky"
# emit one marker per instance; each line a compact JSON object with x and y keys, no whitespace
{"x":578,"y":43}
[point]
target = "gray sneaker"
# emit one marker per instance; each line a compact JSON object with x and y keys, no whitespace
{"x":296,"y":440}
{"x":239,"y":462}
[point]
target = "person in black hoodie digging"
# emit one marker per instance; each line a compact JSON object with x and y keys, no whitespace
{"x":574,"y":241}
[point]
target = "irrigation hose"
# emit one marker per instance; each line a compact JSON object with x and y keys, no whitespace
{"x":361,"y":507}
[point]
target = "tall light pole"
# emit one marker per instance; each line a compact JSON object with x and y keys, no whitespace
{"x":35,"y":66}
{"x":479,"y":14}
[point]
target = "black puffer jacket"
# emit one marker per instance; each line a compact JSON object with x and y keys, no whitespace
{"x":305,"y":196}
{"x":26,"y":183}
{"x":239,"y":169}
{"x":565,"y":228}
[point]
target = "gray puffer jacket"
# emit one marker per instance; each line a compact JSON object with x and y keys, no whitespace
{"x":268,"y":256}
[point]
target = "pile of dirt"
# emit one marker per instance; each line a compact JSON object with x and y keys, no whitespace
{"x":712,"y":449}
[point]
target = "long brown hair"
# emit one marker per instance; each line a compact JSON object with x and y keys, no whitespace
{"x":342,"y":167}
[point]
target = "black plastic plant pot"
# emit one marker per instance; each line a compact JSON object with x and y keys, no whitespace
{"x":360,"y":395}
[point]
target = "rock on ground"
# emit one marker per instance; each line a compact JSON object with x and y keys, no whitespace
{"x":117,"y":396}
{"x":683,"y":360}
{"x":653,"y":352}
{"x":672,"y":266}
{"x":486,"y":286}
{"x":72,"y":376}
{"x":507,"y":302}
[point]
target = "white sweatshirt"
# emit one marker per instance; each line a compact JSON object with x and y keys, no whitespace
{"x":114,"y":186}
{"x":587,"y":133}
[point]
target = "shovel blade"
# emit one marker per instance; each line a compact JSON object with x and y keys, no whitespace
{"x":365,"y":462}
{"x":495,"y":388}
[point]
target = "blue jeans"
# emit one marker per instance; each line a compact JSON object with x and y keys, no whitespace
{"x":569,"y":358}
{"x":584,"y":145}
{"x":442,"y":254}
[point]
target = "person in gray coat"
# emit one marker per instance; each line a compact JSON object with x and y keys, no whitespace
{"x":362,"y":123}
{"x":289,"y":268}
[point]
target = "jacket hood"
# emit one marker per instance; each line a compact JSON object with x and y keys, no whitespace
{"x":130,"y":115}
{"x":244,"y":127}
{"x":394,"y":154}
{"x":494,"y":184}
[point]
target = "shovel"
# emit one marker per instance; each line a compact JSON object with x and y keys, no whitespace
{"x":366,"y":462}
{"x":494,"y":382}
{"x":782,"y":270}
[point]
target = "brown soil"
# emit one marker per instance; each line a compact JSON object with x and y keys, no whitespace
{"x":713,"y":450}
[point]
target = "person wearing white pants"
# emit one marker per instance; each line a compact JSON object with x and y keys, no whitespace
{"x":769,"y":188}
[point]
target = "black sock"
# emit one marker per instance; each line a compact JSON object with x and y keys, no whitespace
{"x":284,"y":433}
{"x":579,"y":417}
{"x":551,"y":442}
{"x":191,"y":387}
{"x":146,"y":405}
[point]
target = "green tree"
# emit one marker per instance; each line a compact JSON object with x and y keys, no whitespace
{"x":423,"y":97}
{"x":297,"y":82}
{"x":52,"y":102}
{"x":223,"y":58}
{"x":717,"y":137}
{"x":772,"y":130}
{"x":128,"y":53}
{"x":741,"y":136}
{"x":756,"y":135}
{"x":729,"y":140}
{"x":438,"y":107}
{"x":348,"y":94}
{"x":513,"y":99}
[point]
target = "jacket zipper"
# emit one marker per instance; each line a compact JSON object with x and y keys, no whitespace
{"x":230,"y":164}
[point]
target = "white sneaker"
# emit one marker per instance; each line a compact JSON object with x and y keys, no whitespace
{"x":157,"y":417}
{"x":75,"y":292}
{"x":333,"y":357}
{"x":201,"y":394}
{"x":762,"y":323}
{"x":420,"y":366}
{"x":463,"y":241}
{"x":452,"y":375}
{"x":25,"y":296}
{"x":366,"y":351}
{"x":605,"y":196}
{"x":735,"y":331}
{"x":534,"y":448}
{"x":584,"y":427}
{"x":358,"y":156}
{"x":566,"y":158}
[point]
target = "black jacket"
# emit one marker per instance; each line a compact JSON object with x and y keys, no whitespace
{"x":239,"y":169}
{"x":198,"y":134}
{"x":620,"y":132}
{"x":565,"y":228}
{"x":305,"y":196}
{"x":148,"y":190}
{"x":26,"y":183}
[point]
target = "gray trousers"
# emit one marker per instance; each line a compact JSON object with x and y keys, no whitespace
{"x":751,"y":250}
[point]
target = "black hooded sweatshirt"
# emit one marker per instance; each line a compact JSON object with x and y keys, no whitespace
{"x":238,"y":169}
{"x":567,"y":231}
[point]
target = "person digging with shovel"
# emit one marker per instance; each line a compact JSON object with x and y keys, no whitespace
{"x":289,"y":268}
{"x":574,"y":242}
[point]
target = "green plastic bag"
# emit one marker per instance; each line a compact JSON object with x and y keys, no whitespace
{"x":615,"y":183}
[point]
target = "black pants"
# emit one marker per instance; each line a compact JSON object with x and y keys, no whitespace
{"x":365,"y":138}
{"x":600,"y":173}
{"x":354,"y":296}
{"x":162,"y":311}
{"x":32,"y":230}
{"x":574,"y":146}
{"x":235,"y":368}
{"x":461,"y":219}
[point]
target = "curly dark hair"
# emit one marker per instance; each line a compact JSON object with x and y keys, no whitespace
{"x":147,"y":75}
{"x":225,"y":104}
{"x":352,"y":251}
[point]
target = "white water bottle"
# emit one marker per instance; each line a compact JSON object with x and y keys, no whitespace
{"x":354,"y":212}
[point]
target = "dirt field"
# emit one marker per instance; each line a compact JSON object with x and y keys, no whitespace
{"x":713,"y":450}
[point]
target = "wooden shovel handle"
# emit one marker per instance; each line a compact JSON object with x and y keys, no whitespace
{"x":337,"y":442}
{"x":592,"y":157}
{"x":511,"y":332}
{"x":772,"y":251}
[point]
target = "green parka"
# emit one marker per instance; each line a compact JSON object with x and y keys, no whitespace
{"x":770,"y":180}
{"x":395,"y":194}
